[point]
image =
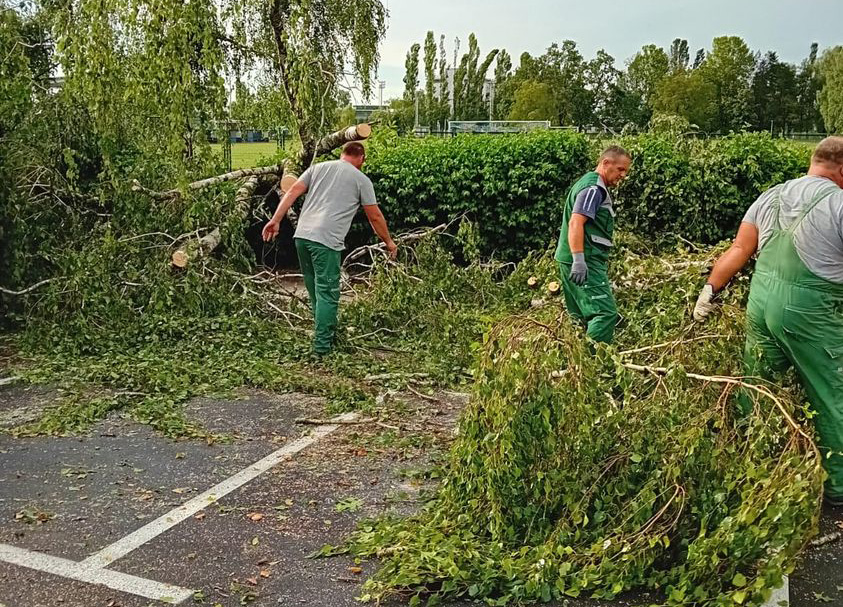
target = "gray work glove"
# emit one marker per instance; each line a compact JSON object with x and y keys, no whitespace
{"x":705,"y":304}
{"x":579,"y":271}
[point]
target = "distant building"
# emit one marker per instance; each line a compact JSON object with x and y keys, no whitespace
{"x":362,"y":113}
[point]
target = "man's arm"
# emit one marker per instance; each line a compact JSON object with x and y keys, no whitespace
{"x":576,"y":242}
{"x":270,"y":230}
{"x":378,"y":221}
{"x":733,"y":260}
{"x":729,"y":264}
{"x":576,"y":232}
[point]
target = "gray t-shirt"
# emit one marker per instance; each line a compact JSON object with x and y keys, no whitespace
{"x":335,"y":190}
{"x":819,"y":238}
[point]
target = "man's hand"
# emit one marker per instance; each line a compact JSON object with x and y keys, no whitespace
{"x":705,"y":304}
{"x":579,"y":271}
{"x":270,"y":231}
{"x":392,"y":249}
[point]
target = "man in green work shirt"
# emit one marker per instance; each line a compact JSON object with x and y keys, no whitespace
{"x":585,"y":242}
{"x":335,"y":190}
{"x":795,"y":308}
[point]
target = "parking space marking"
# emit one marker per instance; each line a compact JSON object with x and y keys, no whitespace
{"x":93,"y":570}
{"x":81,"y":572}
{"x":148,"y":532}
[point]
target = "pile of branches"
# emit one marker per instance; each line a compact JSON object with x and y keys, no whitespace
{"x":597,"y":471}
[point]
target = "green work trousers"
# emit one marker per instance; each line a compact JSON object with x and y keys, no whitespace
{"x":593,"y":303}
{"x":320,"y":266}
{"x":795,"y":318}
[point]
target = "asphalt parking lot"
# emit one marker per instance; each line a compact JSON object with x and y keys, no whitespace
{"x":122,"y":517}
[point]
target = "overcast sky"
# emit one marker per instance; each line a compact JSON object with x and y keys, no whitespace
{"x":620,"y":27}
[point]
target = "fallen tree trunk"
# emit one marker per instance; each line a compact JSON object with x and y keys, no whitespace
{"x":275,"y":169}
{"x":294,"y":167}
{"x":289,"y":171}
{"x":203,"y":247}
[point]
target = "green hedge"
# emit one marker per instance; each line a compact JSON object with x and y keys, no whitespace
{"x":510,"y":186}
{"x":513,"y":186}
{"x":700,"y":189}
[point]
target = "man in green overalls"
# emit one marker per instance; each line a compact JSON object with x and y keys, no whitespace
{"x":584,"y":244}
{"x":795,"y":308}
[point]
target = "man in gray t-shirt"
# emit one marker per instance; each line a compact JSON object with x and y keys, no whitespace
{"x":335,"y":190}
{"x":794,"y":315}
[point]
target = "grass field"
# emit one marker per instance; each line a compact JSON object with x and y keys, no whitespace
{"x":247,"y":154}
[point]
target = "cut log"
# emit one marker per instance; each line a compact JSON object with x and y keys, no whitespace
{"x":197,"y":248}
{"x":532,"y":282}
{"x":329,"y":143}
{"x":553,"y":288}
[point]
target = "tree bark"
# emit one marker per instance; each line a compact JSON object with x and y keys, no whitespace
{"x":275,"y":169}
{"x":197,"y":248}
{"x":203,"y":247}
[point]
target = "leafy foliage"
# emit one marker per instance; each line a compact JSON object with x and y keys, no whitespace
{"x":514,"y":187}
{"x":700,"y":189}
{"x":831,"y":98}
{"x":574,"y":474}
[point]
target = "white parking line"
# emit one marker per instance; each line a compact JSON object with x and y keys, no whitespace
{"x":85,"y":573}
{"x":148,"y":532}
{"x":93,"y":569}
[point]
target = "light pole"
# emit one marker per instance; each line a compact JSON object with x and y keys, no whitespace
{"x":381,"y":86}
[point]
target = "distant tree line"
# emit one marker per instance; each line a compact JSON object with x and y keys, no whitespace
{"x":728,"y":87}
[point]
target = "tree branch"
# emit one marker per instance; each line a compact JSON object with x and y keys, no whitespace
{"x":26,"y":290}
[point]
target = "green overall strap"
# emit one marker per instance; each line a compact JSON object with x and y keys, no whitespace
{"x":817,"y":199}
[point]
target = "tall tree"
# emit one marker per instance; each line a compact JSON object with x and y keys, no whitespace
{"x":411,"y":74}
{"x":469,"y":81}
{"x":774,"y":94}
{"x":167,"y":59}
{"x":444,"y":106}
{"x":679,"y":55}
{"x":565,"y":70}
{"x":689,"y":95}
{"x":809,"y":84}
{"x":503,"y":95}
{"x":534,"y":101}
{"x":699,"y":58}
{"x":728,"y":69}
{"x":429,"y":78}
{"x":644,"y":73}
{"x":831,"y":96}
{"x":602,"y":80}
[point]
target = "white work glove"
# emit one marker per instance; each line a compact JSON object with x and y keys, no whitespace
{"x":705,"y":304}
{"x":579,"y":271}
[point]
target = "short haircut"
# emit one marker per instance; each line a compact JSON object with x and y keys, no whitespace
{"x":354,"y":149}
{"x":829,"y":151}
{"x":613,"y":152}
